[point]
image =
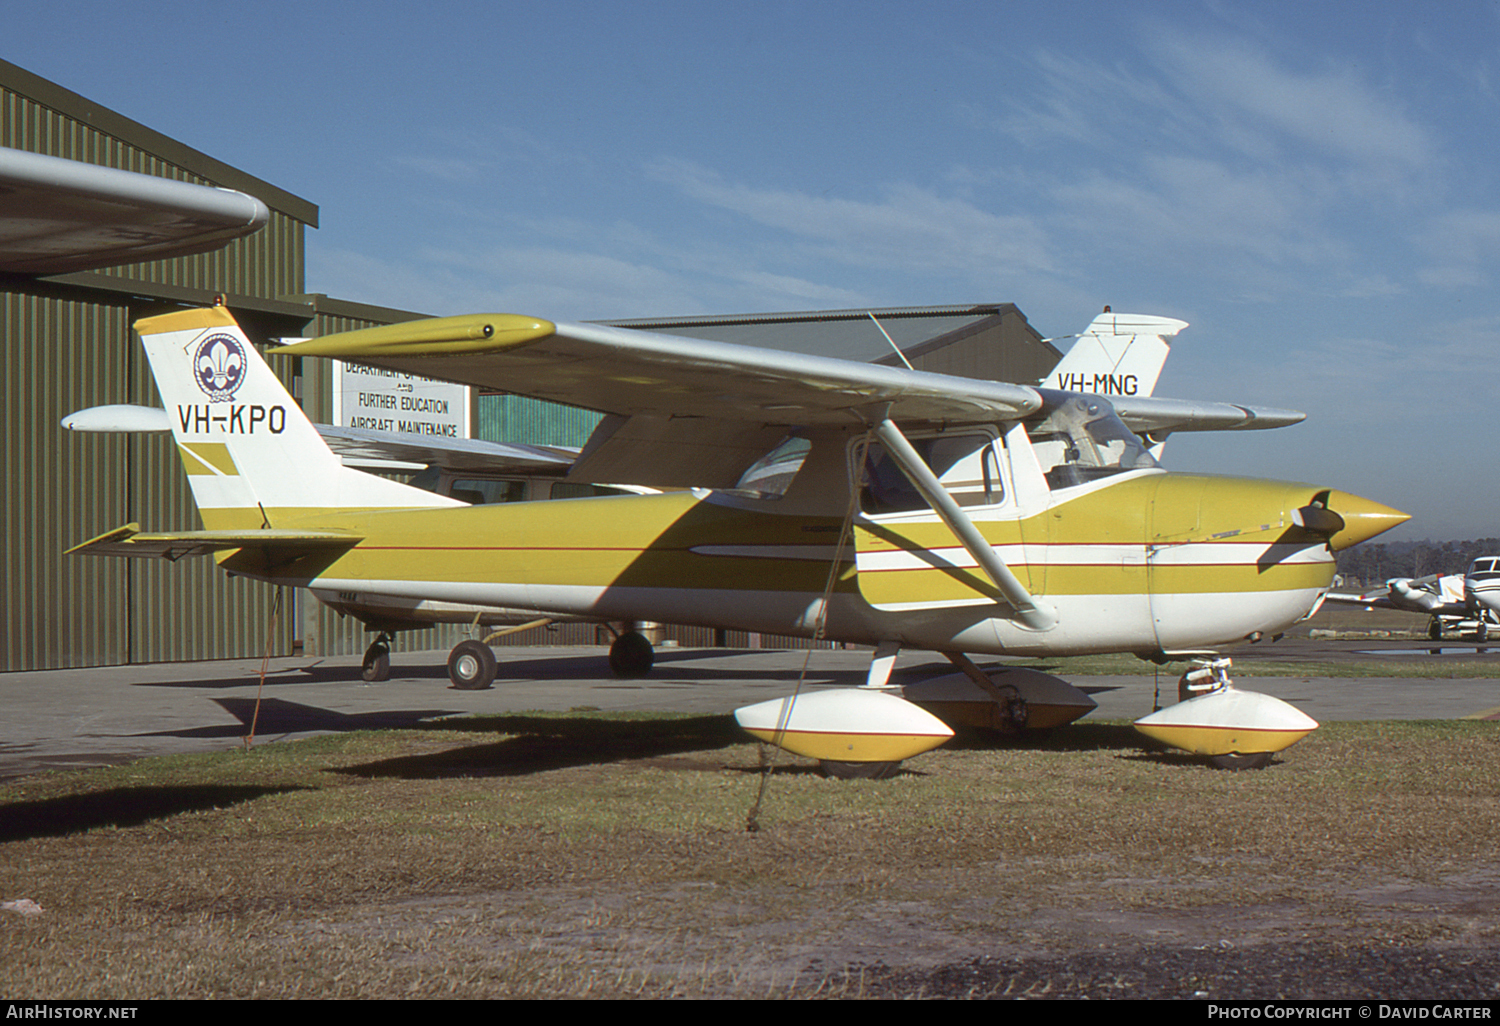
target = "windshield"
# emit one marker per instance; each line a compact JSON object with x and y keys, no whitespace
{"x":1080,"y":438}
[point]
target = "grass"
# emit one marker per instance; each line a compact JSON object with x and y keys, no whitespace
{"x":580,"y":855}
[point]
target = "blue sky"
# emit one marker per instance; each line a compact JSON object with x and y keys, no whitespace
{"x":1312,"y":185}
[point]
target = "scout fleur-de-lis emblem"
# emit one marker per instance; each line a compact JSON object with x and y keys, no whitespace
{"x":219,"y":366}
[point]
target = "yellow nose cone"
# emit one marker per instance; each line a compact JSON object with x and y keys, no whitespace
{"x":1363,"y":518}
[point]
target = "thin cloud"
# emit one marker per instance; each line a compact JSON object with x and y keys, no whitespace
{"x":1331,"y":110}
{"x":1461,"y":245}
{"x":909,"y":227}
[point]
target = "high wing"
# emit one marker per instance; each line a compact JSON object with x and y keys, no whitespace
{"x":692,"y":412}
{"x":60,"y":215}
{"x":637,"y":373}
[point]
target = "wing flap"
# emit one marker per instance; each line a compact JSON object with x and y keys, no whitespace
{"x":673,"y":452}
{"x":131,"y":541}
{"x":464,"y":454}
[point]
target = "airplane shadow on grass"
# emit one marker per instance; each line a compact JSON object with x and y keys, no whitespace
{"x":119,"y":807}
{"x":278,"y":716}
{"x":539,"y":743}
{"x":543,"y":743}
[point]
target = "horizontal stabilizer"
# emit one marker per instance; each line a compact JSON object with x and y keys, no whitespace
{"x":121,"y":417}
{"x":131,"y":541}
{"x":361,"y":443}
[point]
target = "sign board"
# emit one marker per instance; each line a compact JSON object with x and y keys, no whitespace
{"x":404,"y":404}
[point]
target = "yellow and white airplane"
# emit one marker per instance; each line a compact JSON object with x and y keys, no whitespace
{"x":1117,"y":354}
{"x":929,"y":511}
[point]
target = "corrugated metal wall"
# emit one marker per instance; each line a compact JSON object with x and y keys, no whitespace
{"x":58,"y":490}
{"x":62,"y":488}
{"x":66,"y":344}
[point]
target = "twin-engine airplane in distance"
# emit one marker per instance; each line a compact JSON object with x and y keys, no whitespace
{"x":1466,"y":603}
{"x":921,"y":510}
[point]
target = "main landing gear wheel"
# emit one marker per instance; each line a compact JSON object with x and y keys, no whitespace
{"x":1434,"y":629}
{"x":1236,"y":761}
{"x":631,"y":655}
{"x":838,"y":770}
{"x":377,"y":662}
{"x":471,"y":666}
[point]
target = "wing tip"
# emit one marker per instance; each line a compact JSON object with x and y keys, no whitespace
{"x":435,"y":336}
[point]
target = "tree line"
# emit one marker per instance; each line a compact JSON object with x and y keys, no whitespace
{"x":1376,"y":564}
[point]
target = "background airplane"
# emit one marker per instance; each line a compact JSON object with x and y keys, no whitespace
{"x":1467,"y":603}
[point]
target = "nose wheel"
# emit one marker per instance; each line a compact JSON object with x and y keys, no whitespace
{"x":631,"y":655}
{"x":377,"y":661}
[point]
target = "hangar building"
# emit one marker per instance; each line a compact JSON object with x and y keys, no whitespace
{"x":66,"y":344}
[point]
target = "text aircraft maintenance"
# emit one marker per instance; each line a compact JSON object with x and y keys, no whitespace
{"x":929,"y":511}
{"x":1466,"y":603}
{"x":1117,"y":354}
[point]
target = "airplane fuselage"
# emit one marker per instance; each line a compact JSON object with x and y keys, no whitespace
{"x":1482,"y":587}
{"x":1144,"y":562}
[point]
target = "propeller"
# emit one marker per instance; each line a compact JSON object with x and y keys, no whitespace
{"x":1317,"y":518}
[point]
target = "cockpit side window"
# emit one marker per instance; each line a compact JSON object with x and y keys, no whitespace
{"x":1081,"y":439}
{"x":964,"y":464}
{"x":770,"y":476}
{"x":484,"y":491}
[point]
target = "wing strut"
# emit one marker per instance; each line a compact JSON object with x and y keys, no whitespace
{"x":1031,"y":611}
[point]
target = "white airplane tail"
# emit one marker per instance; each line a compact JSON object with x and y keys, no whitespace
{"x":252,"y":457}
{"x":1118,"y":354}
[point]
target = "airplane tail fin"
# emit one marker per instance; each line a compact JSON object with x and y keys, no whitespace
{"x":1118,"y":354}
{"x":252,"y":457}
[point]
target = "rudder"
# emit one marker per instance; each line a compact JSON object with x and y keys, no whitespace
{"x":1118,"y":354}
{"x":251,"y":455}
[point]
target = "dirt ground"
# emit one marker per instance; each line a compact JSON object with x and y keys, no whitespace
{"x":1058,"y":916}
